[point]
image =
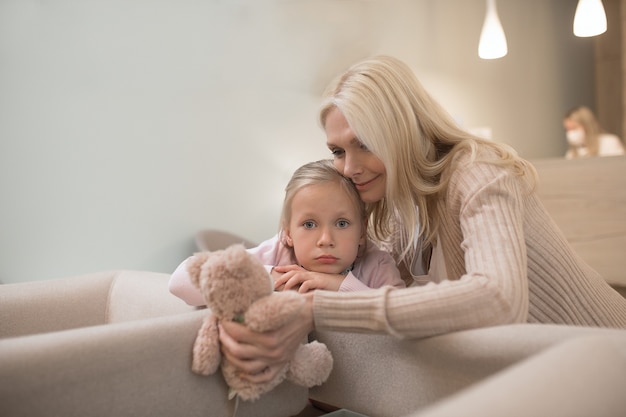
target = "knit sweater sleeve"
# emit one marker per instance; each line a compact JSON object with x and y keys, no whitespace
{"x":483,"y":237}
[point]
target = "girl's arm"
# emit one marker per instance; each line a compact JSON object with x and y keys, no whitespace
{"x":181,"y":286}
{"x":375,"y":269}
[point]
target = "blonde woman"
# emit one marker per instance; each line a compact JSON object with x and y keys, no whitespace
{"x":585,"y":136}
{"x":459,"y":214}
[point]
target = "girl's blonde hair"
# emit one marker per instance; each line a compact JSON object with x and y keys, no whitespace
{"x":585,"y":117}
{"x":315,"y":173}
{"x":415,"y":138}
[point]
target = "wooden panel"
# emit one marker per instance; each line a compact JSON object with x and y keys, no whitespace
{"x":587,"y":199}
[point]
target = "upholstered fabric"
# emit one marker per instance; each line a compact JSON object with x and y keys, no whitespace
{"x":111,"y":344}
{"x":381,"y":376}
{"x":579,"y":378}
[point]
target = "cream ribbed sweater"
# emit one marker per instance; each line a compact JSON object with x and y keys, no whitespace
{"x":505,"y":261}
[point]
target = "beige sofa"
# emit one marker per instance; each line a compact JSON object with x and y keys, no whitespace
{"x":118,"y":343}
{"x":111,"y":344}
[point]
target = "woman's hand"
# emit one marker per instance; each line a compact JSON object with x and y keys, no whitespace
{"x":260,"y":356}
{"x":289,"y":277}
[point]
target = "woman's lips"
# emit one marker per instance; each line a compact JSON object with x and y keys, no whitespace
{"x":363,"y":185}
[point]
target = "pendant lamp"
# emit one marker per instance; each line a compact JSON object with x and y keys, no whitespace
{"x":492,"y":43}
{"x":590,"y":18}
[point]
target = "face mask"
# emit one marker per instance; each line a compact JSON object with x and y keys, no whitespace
{"x":575,"y":137}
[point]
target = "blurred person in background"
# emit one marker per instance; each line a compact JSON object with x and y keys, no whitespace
{"x":585,"y":136}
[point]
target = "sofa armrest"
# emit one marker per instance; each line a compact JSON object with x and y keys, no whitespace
{"x":381,"y":376}
{"x":138,"y":368}
{"x":581,"y":377}
{"x":52,"y":305}
{"x":136,"y":295}
{"x":85,"y":300}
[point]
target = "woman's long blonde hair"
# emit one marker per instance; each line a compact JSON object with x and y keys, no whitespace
{"x":415,"y":138}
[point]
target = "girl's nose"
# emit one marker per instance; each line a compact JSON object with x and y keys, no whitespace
{"x":326,"y":238}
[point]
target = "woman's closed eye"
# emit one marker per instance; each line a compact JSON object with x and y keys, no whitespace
{"x":337,"y":152}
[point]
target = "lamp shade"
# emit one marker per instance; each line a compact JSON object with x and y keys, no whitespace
{"x":590,"y":18}
{"x":492,"y":43}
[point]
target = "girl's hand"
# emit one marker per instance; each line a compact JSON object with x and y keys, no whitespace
{"x":296,"y":277}
{"x":260,"y":356}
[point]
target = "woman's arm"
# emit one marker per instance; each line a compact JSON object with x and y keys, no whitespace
{"x":484,"y":246}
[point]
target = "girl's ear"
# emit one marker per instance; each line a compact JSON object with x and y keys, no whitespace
{"x":287,"y":240}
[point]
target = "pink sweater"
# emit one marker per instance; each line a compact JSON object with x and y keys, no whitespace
{"x":374,"y":269}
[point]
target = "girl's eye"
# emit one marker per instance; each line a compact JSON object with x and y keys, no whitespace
{"x":342,"y":224}
{"x":308,"y":224}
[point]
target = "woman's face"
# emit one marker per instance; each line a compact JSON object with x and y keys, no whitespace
{"x":353,"y":159}
{"x":571,"y":124}
{"x":574,"y":132}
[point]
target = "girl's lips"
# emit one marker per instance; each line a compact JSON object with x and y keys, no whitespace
{"x":326,"y":259}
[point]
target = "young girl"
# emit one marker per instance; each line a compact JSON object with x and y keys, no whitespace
{"x":322,"y":240}
{"x":462,"y":219}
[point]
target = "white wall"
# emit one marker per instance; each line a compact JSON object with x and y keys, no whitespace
{"x":126,"y":126}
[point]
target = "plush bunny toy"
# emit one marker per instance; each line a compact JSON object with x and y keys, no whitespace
{"x":237,"y":287}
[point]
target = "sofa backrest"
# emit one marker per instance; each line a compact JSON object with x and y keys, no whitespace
{"x":587,"y":199}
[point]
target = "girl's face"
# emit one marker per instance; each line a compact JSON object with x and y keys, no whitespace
{"x":326,"y":228}
{"x":353,"y":159}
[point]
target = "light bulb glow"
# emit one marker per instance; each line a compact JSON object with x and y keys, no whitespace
{"x":590,"y":18}
{"x":492,"y":43}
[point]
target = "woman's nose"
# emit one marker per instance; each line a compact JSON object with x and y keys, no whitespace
{"x":351,"y":166}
